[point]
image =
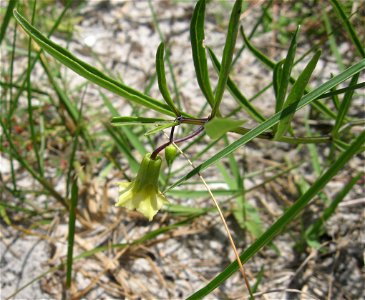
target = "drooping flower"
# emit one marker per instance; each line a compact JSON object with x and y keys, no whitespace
{"x":143,"y":193}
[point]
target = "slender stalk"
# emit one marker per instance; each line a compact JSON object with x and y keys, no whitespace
{"x":13,"y":178}
{"x":241,"y":267}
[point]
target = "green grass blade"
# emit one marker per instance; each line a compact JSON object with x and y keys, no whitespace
{"x":284,"y":220}
{"x":286,"y":71}
{"x":235,"y":92}
{"x":343,"y":90}
{"x":7,"y":17}
{"x":350,"y":29}
{"x":74,"y":147}
{"x":197,"y":37}
{"x":29,"y":102}
{"x":17,"y":86}
{"x":275,"y":119}
{"x":262,"y":57}
{"x":89,"y":72}
{"x":65,"y":102}
{"x":253,"y":30}
{"x":186,"y":211}
{"x":344,"y":106}
{"x":296,"y":93}
{"x":313,"y":153}
{"x":277,"y":73}
{"x":7,"y":108}
{"x":71,"y":232}
{"x":161,"y":78}
{"x":62,"y":96}
{"x":125,"y":121}
{"x":53,"y":29}
{"x":227,"y":55}
{"x":173,"y":77}
{"x":271,"y":64}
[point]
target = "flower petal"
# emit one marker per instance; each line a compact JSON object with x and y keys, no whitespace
{"x":142,"y":193}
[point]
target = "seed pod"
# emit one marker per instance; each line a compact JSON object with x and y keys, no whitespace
{"x":170,"y":154}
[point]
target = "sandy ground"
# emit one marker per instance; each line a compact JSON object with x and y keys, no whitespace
{"x":122,"y":35}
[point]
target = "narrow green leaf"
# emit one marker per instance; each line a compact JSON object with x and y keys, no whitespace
{"x":71,"y":232}
{"x":161,"y":78}
{"x":65,"y":101}
{"x":89,"y":72}
{"x":29,"y":102}
{"x":73,"y":149}
{"x":296,"y":93}
{"x":62,"y":96}
{"x":344,"y":90}
{"x":53,"y":29}
{"x":284,"y":220}
{"x":277,"y":73}
{"x":198,"y":48}
{"x":351,"y":31}
{"x":217,"y":127}
{"x":235,"y":92}
{"x":16,"y":86}
{"x":344,"y":107}
{"x":314,"y":94}
{"x":267,"y":61}
{"x":158,"y":128}
{"x":227,"y":55}
{"x":313,"y":153}
{"x":124,"y":121}
{"x":181,"y":210}
{"x":271,"y":64}
{"x":173,"y":77}
{"x":286,"y":71}
{"x":259,"y":21}
{"x":7,"y":17}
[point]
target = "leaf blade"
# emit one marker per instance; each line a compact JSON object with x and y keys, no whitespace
{"x":296,"y":93}
{"x":161,"y":79}
{"x":87,"y":71}
{"x":286,"y":71}
{"x":197,"y":37}
{"x":227,"y":55}
{"x":350,"y":29}
{"x":284,"y":220}
{"x":236,"y":93}
{"x":308,"y":98}
{"x":125,"y":121}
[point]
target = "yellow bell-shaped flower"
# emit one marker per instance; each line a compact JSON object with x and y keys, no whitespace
{"x":142,"y":193}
